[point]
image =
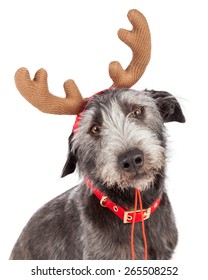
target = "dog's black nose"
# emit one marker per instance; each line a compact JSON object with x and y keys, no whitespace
{"x":131,"y":161}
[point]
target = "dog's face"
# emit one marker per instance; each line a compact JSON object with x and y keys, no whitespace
{"x":121,"y":137}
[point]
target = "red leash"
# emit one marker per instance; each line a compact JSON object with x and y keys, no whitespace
{"x":133,"y":227}
{"x":138,"y":195}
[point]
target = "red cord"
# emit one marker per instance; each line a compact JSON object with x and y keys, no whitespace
{"x":143,"y":227}
{"x":133,"y":226}
{"x":137,"y":194}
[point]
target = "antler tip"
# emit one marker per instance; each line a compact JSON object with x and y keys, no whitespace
{"x":21,"y":71}
{"x":134,"y":12}
{"x":71,"y":89}
{"x":41,"y":75}
{"x":114,"y":69}
{"x":22,"y":76}
{"x":69,"y":82}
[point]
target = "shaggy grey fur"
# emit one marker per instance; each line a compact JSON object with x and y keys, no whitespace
{"x":74,"y":225}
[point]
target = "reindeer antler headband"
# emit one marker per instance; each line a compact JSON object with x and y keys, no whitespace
{"x":37,"y":93}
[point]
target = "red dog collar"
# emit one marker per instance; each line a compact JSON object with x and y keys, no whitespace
{"x":125,"y":215}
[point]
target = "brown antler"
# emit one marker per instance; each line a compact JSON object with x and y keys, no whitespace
{"x":36,"y":92}
{"x":139,"y":41}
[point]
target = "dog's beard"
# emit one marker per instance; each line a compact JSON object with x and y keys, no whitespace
{"x":141,"y":180}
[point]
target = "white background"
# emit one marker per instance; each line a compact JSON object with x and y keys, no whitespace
{"x":77,"y":39}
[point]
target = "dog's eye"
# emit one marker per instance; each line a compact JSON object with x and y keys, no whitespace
{"x":95,"y":129}
{"x":136,"y":112}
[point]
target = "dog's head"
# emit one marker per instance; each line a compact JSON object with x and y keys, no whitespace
{"x":121,"y":137}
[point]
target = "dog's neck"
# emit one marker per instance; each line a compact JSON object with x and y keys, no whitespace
{"x":125,"y":197}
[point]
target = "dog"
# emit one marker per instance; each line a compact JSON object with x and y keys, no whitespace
{"x":118,"y":145}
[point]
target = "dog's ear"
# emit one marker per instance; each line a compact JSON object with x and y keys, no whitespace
{"x":168,"y":105}
{"x":70,"y":164}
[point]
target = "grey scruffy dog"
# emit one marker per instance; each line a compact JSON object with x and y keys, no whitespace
{"x":120,"y":145}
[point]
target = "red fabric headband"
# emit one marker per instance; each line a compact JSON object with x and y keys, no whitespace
{"x":78,"y":118}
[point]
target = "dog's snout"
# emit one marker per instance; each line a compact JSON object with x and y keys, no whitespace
{"x":131,"y":161}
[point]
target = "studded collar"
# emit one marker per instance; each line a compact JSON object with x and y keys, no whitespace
{"x":124,"y":214}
